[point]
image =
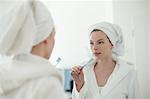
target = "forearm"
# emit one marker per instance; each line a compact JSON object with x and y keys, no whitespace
{"x":81,"y":93}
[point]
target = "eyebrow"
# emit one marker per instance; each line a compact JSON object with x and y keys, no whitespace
{"x":98,"y":40}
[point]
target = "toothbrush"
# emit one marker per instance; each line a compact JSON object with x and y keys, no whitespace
{"x":86,"y":63}
{"x":83,"y":65}
{"x":58,"y":61}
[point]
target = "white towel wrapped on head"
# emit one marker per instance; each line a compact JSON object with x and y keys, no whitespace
{"x":23,"y":24}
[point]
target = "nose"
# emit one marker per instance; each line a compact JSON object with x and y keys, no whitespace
{"x":95,"y":47}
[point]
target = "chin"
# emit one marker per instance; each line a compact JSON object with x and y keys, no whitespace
{"x":98,"y":58}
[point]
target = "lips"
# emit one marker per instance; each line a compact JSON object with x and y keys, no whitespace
{"x":97,"y":53}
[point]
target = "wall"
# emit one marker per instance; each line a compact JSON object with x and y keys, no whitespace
{"x":132,"y":15}
{"x":72,"y":20}
{"x":149,"y":44}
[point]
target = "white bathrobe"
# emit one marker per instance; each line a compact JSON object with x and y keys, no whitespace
{"x":122,"y":84}
{"x":29,"y":77}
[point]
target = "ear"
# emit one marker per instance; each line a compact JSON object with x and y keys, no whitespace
{"x":45,"y":41}
{"x":111,"y":46}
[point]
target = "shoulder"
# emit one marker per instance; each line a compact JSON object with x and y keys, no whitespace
{"x":45,"y":81}
{"x":48,"y":82}
{"x":53,"y":80}
{"x":47,"y":87}
{"x":127,"y":66}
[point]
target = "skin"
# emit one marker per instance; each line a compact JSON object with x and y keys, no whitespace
{"x":45,"y":48}
{"x":102,"y":49}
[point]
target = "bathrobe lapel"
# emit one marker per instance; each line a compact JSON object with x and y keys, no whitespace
{"x":91,"y":81}
{"x":120,"y":71}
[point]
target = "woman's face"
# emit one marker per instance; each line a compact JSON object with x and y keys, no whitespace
{"x":100,"y":45}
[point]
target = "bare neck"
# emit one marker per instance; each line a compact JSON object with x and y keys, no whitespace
{"x":106,"y":63}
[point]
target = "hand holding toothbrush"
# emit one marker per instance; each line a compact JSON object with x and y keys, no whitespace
{"x":78,"y":76}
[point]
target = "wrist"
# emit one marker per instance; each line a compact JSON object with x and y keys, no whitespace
{"x":79,"y":86}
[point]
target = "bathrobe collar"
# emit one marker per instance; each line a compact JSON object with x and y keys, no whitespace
{"x":122,"y":68}
{"x":17,"y":70}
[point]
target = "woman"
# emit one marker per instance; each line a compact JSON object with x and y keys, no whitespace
{"x":107,"y":76}
{"x":26,"y":43}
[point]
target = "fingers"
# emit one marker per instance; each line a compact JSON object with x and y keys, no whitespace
{"x":80,"y":68}
{"x":77,"y":75}
{"x":76,"y":70}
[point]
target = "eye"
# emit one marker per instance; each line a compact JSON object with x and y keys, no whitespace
{"x":100,"y":42}
{"x":91,"y":43}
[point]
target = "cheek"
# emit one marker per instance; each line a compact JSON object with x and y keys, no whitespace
{"x":105,"y":48}
{"x":52,"y":42}
{"x":108,"y":45}
{"x":108,"y":49}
